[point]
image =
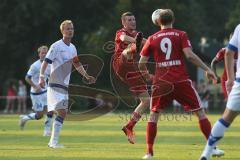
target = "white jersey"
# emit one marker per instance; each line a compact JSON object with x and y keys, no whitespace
{"x":34,"y":72}
{"x":234,"y":45}
{"x":60,"y":56}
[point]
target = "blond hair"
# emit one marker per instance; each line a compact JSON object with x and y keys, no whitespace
{"x":64,"y":23}
{"x":126,"y":14}
{"x":41,"y":47}
{"x":166,"y":17}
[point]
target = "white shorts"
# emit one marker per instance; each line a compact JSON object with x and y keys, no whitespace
{"x":233,"y":102}
{"x":57,"y":98}
{"x":39,"y":101}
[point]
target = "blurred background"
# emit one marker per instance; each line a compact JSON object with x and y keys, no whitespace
{"x":27,"y":24}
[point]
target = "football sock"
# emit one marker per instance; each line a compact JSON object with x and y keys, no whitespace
{"x":217,"y":133}
{"x":31,"y":116}
{"x":135,"y":118}
{"x":150,"y":136}
{"x":205,"y":127}
{"x":48,"y":122}
{"x":57,"y":126}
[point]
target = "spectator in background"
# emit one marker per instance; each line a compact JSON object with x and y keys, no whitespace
{"x":11,"y":96}
{"x":22,"y":97}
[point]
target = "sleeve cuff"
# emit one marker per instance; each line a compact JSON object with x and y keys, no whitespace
{"x":48,"y":60}
{"x":232,"y":47}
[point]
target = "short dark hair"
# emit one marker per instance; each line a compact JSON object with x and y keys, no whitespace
{"x":166,"y":17}
{"x":126,"y":14}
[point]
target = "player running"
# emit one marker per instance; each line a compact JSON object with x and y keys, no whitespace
{"x":38,"y":95}
{"x":169,"y":46}
{"x":233,"y":102}
{"x":61,"y":55}
{"x":125,"y":65}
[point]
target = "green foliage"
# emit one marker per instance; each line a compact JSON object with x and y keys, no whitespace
{"x":27,"y":24}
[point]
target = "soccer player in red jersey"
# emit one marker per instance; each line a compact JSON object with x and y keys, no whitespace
{"x":218,"y":58}
{"x":169,"y":46}
{"x":125,"y":65}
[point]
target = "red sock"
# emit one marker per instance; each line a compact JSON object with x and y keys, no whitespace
{"x":135,"y":118}
{"x":205,"y":127}
{"x":150,"y":136}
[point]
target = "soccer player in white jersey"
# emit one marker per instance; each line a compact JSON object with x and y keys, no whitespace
{"x":61,"y":55}
{"x":38,"y":94}
{"x":233,"y":89}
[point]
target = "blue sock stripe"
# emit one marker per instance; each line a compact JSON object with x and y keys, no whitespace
{"x":49,"y":114}
{"x":223,"y":122}
{"x":212,"y":140}
{"x":59,"y":119}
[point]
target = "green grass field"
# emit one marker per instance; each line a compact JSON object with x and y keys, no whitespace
{"x":102,"y":139}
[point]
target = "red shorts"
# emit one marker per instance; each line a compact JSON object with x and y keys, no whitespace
{"x":183,"y":92}
{"x":223,"y":83}
{"x":129,"y":73}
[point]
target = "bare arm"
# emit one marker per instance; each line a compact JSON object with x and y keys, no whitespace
{"x":82,"y":71}
{"x":213,"y":67}
{"x":42,"y":71}
{"x":143,"y":68}
{"x":193,"y":58}
{"x":30,"y":82}
{"x":229,"y":64}
{"x":126,"y":38}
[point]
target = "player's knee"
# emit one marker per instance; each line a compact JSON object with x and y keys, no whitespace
{"x":146,"y":102}
{"x":62,"y":113}
{"x":201,"y":114}
{"x":50,"y":114}
{"x":39,"y":115}
{"x":153,"y":117}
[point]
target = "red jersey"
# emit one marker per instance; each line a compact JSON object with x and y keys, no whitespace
{"x":220,"y":57}
{"x":167,"y":48}
{"x":119,"y":44}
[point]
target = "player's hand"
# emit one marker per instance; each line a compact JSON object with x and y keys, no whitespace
{"x":41,"y":82}
{"x":90,"y":79}
{"x":211,"y":75}
{"x":229,"y":84}
{"x":218,"y":80}
{"x":37,"y":88}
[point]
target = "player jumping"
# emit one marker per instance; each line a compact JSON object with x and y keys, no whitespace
{"x":125,"y":65}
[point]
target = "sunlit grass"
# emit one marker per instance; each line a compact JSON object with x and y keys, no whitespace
{"x":102,"y":139}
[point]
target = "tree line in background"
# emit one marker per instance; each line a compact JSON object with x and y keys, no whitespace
{"x":27,"y":24}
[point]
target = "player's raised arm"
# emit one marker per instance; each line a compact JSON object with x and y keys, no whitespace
{"x":193,"y":58}
{"x":125,"y":38}
{"x":82,"y":71}
{"x":42,"y":76}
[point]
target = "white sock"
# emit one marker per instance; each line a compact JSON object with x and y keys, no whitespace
{"x":57,"y":126}
{"x":216,"y":134}
{"x":48,"y":124}
{"x":31,"y":116}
